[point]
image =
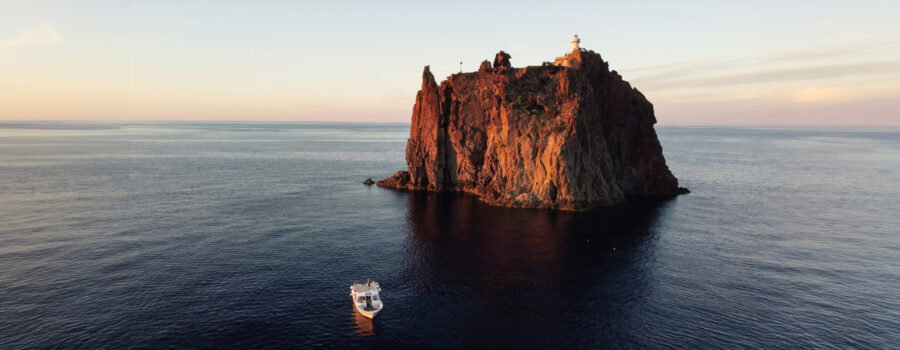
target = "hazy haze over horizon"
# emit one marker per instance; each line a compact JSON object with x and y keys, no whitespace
{"x":711,"y":63}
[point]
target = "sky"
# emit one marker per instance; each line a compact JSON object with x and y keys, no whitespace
{"x":698,"y":62}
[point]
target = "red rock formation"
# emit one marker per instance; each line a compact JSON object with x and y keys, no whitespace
{"x":569,"y":136}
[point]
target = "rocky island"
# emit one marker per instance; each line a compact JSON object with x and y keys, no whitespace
{"x":568,"y":135}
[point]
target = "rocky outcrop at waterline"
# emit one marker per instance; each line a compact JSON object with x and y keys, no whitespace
{"x":570,"y":135}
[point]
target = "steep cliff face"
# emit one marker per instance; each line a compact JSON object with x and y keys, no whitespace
{"x":570,"y":136}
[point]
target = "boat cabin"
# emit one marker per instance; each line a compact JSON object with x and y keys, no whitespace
{"x":367,"y":295}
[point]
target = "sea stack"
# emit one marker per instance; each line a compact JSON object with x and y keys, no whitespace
{"x":570,"y":135}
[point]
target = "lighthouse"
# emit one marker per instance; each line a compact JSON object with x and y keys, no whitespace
{"x":573,"y":58}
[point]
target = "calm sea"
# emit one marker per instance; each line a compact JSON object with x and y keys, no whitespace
{"x":242,"y":235}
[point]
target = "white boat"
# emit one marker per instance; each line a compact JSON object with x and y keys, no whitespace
{"x":365,"y":298}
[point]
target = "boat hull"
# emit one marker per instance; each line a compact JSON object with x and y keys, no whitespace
{"x":369,"y":314}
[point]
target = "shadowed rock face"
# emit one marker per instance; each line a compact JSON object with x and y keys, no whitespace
{"x":570,"y":136}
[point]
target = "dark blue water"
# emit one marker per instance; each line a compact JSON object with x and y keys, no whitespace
{"x":215,"y":235}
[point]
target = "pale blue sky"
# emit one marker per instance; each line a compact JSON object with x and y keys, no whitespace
{"x":709,"y":62}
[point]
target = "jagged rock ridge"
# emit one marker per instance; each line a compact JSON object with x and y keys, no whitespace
{"x":570,"y":135}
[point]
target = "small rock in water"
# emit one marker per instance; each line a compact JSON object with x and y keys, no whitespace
{"x":368,"y":181}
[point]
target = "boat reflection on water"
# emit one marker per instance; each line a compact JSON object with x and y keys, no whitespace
{"x":364,"y":325}
{"x":521,"y":275}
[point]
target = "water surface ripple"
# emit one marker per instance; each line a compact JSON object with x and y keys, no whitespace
{"x":245,"y":235}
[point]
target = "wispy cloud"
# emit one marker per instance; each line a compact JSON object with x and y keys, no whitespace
{"x":812,"y":53}
{"x":843,"y":84}
{"x":780,"y":75}
{"x":793,"y":65}
{"x":863,"y":111}
{"x":41,"y":34}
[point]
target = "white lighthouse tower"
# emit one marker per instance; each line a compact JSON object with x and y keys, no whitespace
{"x":571,"y":59}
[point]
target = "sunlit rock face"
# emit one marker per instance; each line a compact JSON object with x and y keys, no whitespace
{"x":570,"y":135}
